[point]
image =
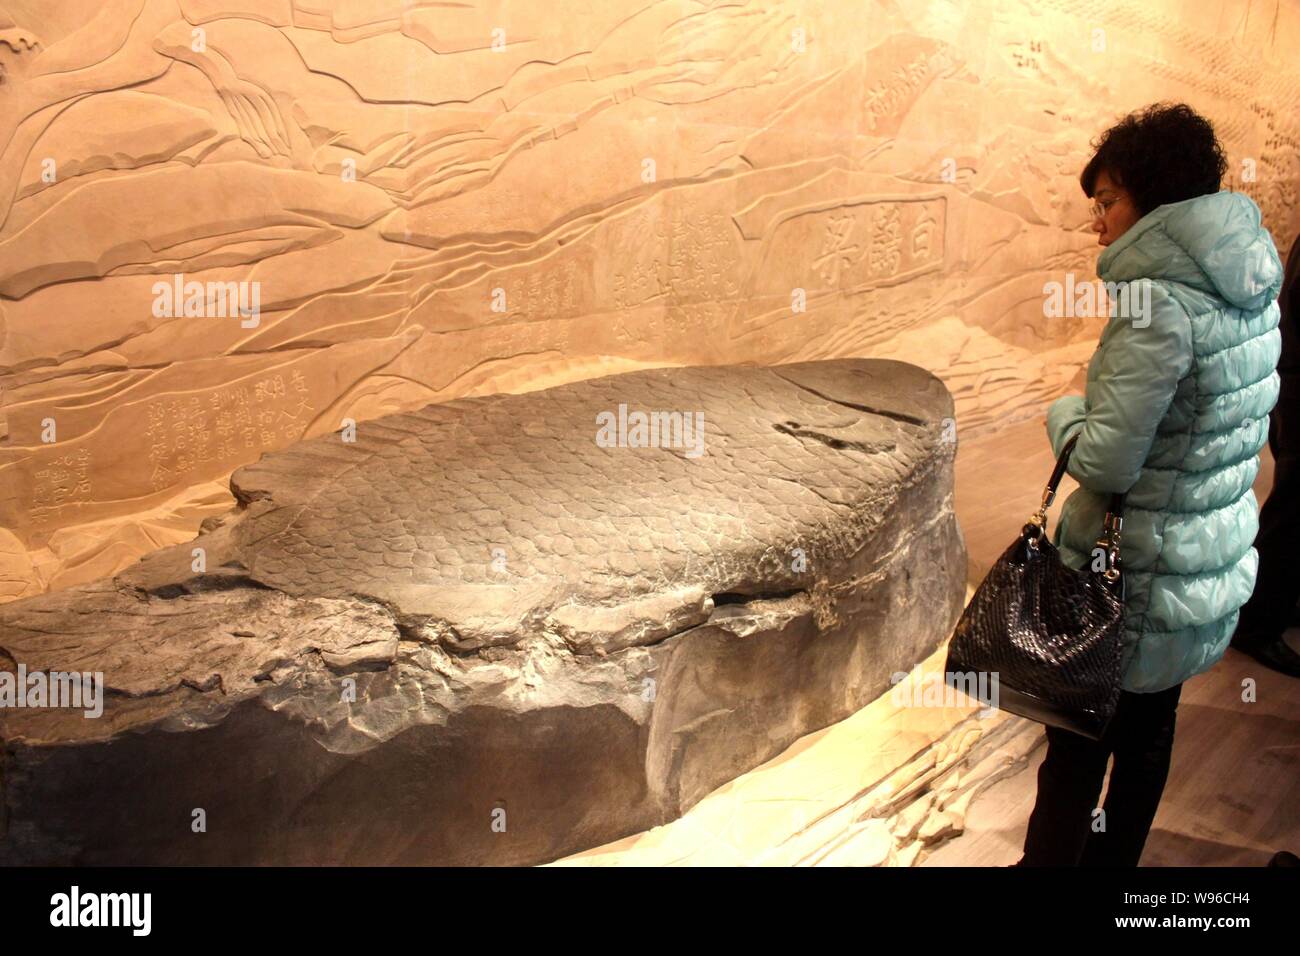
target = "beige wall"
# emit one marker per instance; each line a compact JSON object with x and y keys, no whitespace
{"x":645,"y":183}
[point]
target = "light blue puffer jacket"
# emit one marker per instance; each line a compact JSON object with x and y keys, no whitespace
{"x":1175,"y":414}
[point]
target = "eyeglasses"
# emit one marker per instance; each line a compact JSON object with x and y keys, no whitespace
{"x":1099,"y":208}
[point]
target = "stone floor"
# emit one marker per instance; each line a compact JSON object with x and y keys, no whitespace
{"x":936,"y":786}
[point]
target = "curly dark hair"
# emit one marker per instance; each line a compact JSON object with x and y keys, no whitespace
{"x":1164,"y":153}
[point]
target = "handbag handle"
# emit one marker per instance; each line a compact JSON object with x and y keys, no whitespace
{"x":1111,"y":524}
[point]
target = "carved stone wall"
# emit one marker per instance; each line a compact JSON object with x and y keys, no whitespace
{"x":420,"y":202}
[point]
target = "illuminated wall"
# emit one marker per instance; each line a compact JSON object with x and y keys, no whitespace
{"x":422,"y":201}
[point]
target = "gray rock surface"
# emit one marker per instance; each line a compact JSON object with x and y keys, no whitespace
{"x":552,"y":644}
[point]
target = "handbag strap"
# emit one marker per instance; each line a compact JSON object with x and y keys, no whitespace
{"x":1111,"y":524}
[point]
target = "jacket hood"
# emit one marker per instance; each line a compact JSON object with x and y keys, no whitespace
{"x":1215,"y":243}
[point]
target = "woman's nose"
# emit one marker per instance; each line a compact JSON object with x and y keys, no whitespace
{"x":1098,"y":226}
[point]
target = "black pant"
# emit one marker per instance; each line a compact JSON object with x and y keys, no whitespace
{"x":1061,"y":827}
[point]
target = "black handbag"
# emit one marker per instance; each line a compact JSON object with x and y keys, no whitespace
{"x":1043,"y":640}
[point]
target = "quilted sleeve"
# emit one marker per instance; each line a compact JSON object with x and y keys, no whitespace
{"x":1142,"y":360}
{"x":1064,"y":415}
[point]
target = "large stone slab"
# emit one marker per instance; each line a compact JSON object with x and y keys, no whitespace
{"x":477,"y":634}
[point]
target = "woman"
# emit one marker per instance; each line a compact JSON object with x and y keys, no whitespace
{"x":1175,"y":412}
